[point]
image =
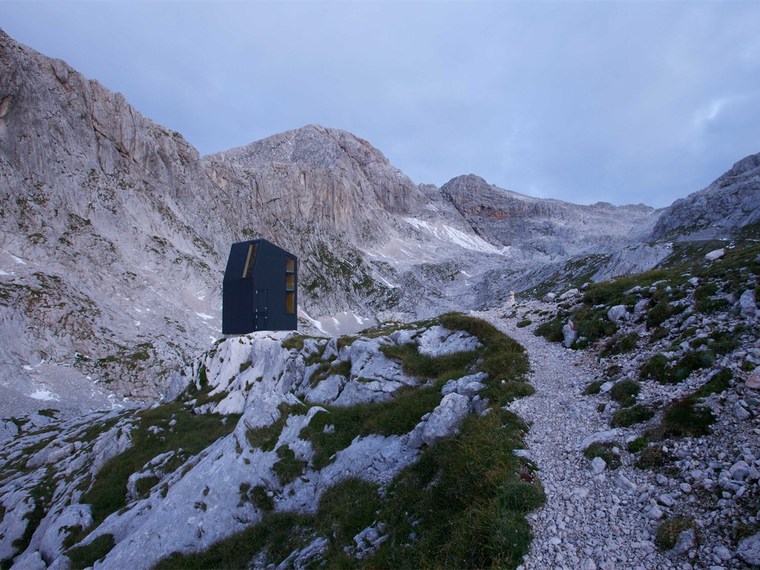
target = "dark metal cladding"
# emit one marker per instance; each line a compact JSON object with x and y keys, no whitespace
{"x":260,"y":289}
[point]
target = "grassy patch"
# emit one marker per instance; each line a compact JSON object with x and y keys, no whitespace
{"x":629,"y":416}
{"x":593,"y":388}
{"x":669,"y":531}
{"x":265,"y":438}
{"x":191,"y":433}
{"x":653,"y":457}
{"x":464,"y":501}
{"x":625,"y":392}
{"x":446,"y":366}
{"x":524,"y":323}
{"x":605,"y":451}
{"x":656,"y":368}
{"x":395,"y":417}
{"x":620,"y":345}
{"x":685,"y":418}
{"x":551,"y":330}
{"x":85,"y":556}
{"x":720,"y":382}
{"x":288,"y":466}
{"x":638,"y":444}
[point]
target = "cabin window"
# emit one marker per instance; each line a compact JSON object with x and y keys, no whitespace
{"x":249,"y":261}
{"x":290,"y":286}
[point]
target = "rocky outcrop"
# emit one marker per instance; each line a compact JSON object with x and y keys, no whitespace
{"x":245,"y":401}
{"x":718,"y":211}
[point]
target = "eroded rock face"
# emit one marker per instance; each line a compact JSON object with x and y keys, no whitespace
{"x":725,"y":206}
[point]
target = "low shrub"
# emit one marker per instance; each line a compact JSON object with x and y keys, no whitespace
{"x":669,"y":531}
{"x":288,"y":467}
{"x":656,"y":368}
{"x":653,"y":457}
{"x":637,"y":444}
{"x":629,"y":416}
{"x":593,"y":388}
{"x":686,"y":418}
{"x":551,"y":330}
{"x":719,"y":382}
{"x":620,"y":345}
{"x":524,"y":323}
{"x":625,"y":392}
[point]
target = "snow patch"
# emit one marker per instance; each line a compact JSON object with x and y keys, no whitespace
{"x":444,"y":232}
{"x":42,"y":394}
{"x":18,"y":260}
{"x":204,"y":316}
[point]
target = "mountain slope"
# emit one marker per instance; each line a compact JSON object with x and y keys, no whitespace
{"x":115,"y":234}
{"x":731,"y":202}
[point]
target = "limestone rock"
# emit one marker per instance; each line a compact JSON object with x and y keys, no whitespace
{"x":749,"y":549}
{"x":617,"y":313}
{"x":748,"y":303}
{"x":715,"y":254}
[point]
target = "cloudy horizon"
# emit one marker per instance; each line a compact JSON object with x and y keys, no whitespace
{"x":624,"y":102}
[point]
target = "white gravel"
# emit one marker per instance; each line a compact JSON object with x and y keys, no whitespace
{"x":589,"y":521}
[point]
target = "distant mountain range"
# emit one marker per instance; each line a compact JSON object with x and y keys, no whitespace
{"x":115,"y":232}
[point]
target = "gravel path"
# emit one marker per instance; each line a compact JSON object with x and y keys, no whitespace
{"x":605,"y":520}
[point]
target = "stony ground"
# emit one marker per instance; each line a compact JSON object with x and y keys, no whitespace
{"x":593,"y":518}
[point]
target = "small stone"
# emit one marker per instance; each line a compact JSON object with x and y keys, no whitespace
{"x":749,"y":549}
{"x":753,"y":381}
{"x":686,"y":541}
{"x":617,"y":313}
{"x":739,"y":471}
{"x":661,"y":479}
{"x":598,"y":465}
{"x":654,"y":512}
{"x":715,"y":254}
{"x":748,"y":304}
{"x":740,"y":412}
{"x":685,"y":487}
{"x":666,"y":500}
{"x":722,"y":552}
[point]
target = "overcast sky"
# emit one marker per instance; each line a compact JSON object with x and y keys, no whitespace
{"x":624,"y":102}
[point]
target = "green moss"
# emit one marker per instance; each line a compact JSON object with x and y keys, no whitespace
{"x":85,"y":556}
{"x":629,"y":416}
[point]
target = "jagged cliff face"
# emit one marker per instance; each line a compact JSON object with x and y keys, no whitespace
{"x":551,"y":228}
{"x":726,"y":205}
{"x":115,"y":233}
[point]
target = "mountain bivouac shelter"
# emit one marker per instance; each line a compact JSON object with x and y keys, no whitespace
{"x":259,"y":292}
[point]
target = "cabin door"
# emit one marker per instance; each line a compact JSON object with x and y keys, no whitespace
{"x":260,"y":309}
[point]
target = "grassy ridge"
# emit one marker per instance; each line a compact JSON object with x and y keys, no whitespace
{"x":462,"y":505}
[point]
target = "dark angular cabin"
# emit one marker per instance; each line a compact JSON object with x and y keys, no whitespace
{"x":259,"y":292}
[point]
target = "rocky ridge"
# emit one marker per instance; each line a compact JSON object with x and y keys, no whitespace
{"x":266,"y":427}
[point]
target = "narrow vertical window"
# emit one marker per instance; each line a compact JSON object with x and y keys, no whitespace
{"x":290,"y":286}
{"x":249,"y":261}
